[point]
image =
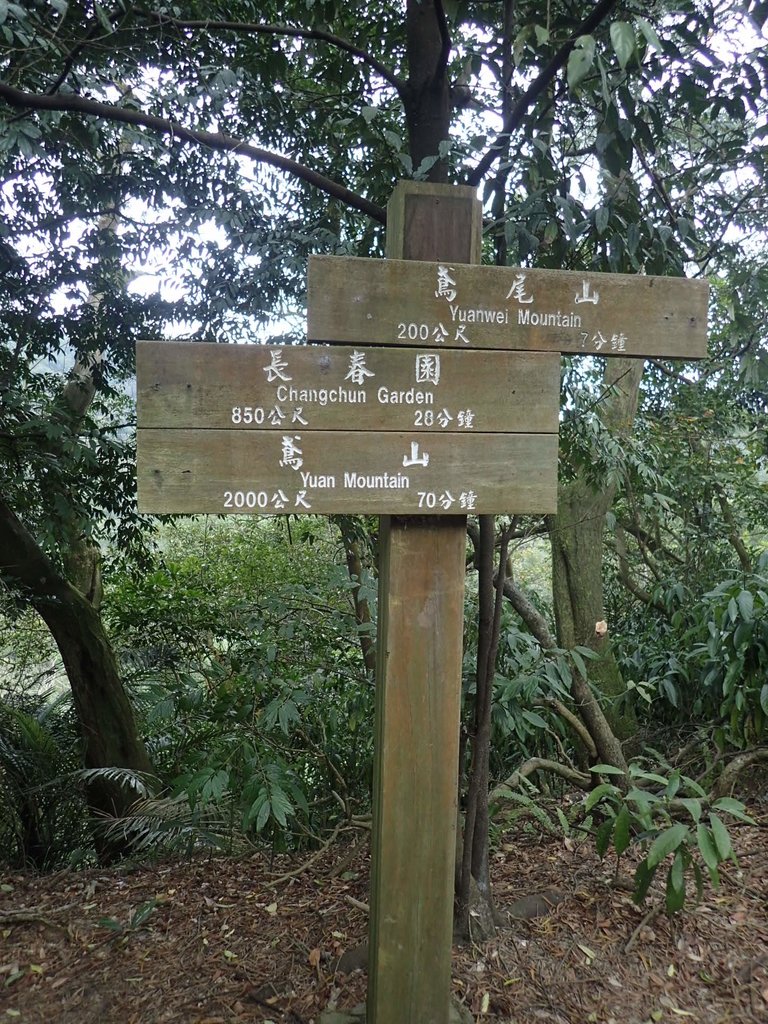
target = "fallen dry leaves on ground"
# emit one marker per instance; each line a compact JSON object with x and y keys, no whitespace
{"x":213,"y":941}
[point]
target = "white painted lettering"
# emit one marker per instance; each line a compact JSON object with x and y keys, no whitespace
{"x":528,"y":318}
{"x":318,"y":480}
{"x":380,"y":481}
{"x":409,"y":397}
{"x":321,"y":396}
{"x":476,"y":315}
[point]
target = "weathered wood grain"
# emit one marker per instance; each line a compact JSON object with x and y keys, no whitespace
{"x":180,"y":384}
{"x":418,"y":690}
{"x":401,"y":302}
{"x":192,"y":471}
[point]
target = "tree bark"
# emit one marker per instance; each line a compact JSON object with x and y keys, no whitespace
{"x":352,"y":550}
{"x":427,"y":96}
{"x":474,"y":847}
{"x":607,"y":746}
{"x":108,"y":727}
{"x":576,"y":534}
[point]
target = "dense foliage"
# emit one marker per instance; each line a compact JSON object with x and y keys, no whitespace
{"x":165,"y":170}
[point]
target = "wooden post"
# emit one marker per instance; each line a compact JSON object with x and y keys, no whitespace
{"x":421,"y":625}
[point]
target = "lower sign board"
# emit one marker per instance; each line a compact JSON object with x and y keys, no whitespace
{"x":326,"y":472}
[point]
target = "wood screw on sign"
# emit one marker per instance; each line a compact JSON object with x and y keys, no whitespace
{"x":440,"y":396}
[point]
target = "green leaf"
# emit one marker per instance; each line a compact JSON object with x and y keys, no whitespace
{"x":534,"y":719}
{"x":650,"y":33}
{"x":606,"y":769}
{"x":580,"y":60}
{"x":746,"y":603}
{"x":693,"y":786}
{"x":579,"y":663}
{"x":692,"y":805}
{"x":255,"y":810}
{"x":623,"y":39}
{"x":636,"y":772}
{"x":603,"y":837}
{"x":111,"y":923}
{"x":643,"y":878}
{"x":141,"y":913}
{"x":394,"y":140}
{"x":621,"y":833}
{"x":734,"y":807}
{"x":587,"y":652}
{"x":720,"y":835}
{"x":263,"y":816}
{"x":670,"y":691}
{"x":281,"y":805}
{"x":673,"y":785}
{"x":665,"y":843}
{"x":103,"y":17}
{"x":287,"y":713}
{"x":597,"y":795}
{"x":676,"y":884}
{"x":707,"y":847}
{"x":215,"y":786}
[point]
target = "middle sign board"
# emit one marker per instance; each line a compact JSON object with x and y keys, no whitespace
{"x":266,"y":429}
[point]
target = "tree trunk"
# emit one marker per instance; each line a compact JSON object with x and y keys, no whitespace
{"x":107,"y":723}
{"x":352,"y":549}
{"x":474,"y":894}
{"x":576,"y":534}
{"x":427,"y":96}
{"x":606,"y":745}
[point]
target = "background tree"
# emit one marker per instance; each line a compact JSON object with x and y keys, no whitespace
{"x":225,"y":143}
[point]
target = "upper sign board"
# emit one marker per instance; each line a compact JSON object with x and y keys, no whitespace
{"x":456,"y":305}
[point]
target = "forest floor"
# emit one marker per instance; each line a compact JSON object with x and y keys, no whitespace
{"x":220,"y":941}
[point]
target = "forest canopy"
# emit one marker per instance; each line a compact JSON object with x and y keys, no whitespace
{"x":166,"y":171}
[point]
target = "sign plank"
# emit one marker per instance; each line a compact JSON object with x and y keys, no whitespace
{"x":226,"y":471}
{"x":404,"y":302}
{"x":241,"y":387}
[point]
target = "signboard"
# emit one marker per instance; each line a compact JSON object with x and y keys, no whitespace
{"x":442,"y":305}
{"x":273,"y":430}
{"x":268,"y":472}
{"x":246,"y":387}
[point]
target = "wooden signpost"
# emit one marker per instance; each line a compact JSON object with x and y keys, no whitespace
{"x":441,"y":399}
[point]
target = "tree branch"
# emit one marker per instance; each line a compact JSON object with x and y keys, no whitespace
{"x":648,"y":544}
{"x":445,"y":35}
{"x":533,"y":618}
{"x":532,"y":93}
{"x":733,"y":531}
{"x":574,"y":722}
{"x":582,"y":780}
{"x":724,"y":784}
{"x":626,"y":578}
{"x":608,"y":747}
{"x":213,"y":140}
{"x":256,"y":28}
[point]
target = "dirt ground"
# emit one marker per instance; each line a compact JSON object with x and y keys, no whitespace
{"x":219,"y":940}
